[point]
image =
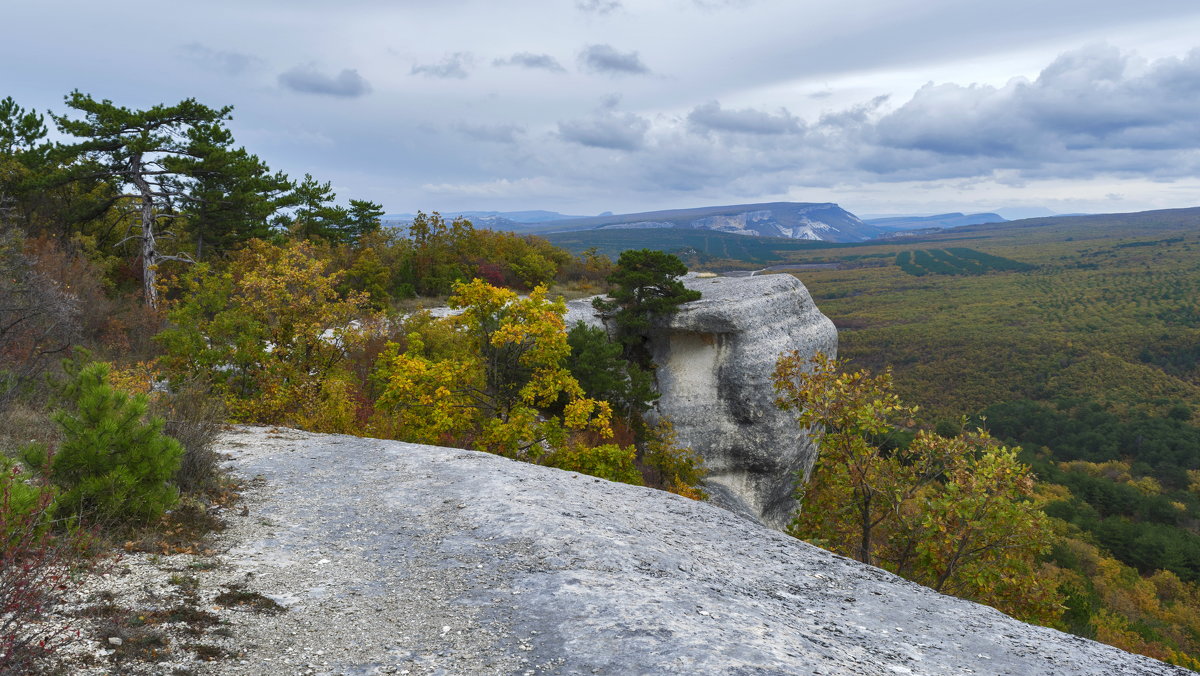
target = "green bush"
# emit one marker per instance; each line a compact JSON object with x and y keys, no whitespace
{"x":22,"y":502}
{"x":36,"y":577}
{"x":672,"y":467}
{"x":113,"y":465}
{"x":608,"y":461}
{"x":602,"y":372}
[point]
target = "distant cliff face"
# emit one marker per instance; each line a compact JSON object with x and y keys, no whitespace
{"x":715,"y":357}
{"x":797,"y":220}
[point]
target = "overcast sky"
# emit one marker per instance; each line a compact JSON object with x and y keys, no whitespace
{"x":582,"y":106}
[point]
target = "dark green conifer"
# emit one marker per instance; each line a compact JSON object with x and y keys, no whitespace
{"x":113,"y":464}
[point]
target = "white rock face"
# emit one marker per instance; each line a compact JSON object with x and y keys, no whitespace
{"x":715,"y":358}
{"x":398,"y":558}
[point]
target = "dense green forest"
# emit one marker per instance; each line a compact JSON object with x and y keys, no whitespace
{"x":699,"y":248}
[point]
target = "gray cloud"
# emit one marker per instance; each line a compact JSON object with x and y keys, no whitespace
{"x":711,"y":117}
{"x":1091,"y":99}
{"x":309,"y":80}
{"x":530,"y":60}
{"x":452,"y":66}
{"x":1092,"y":114}
{"x":606,"y":130}
{"x":606,"y":59}
{"x":230,"y":63}
{"x":493,"y":133}
{"x":598,"y":6}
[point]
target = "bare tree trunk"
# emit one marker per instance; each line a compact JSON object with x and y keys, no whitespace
{"x":864,"y":543}
{"x":149,"y":245}
{"x":149,"y":262}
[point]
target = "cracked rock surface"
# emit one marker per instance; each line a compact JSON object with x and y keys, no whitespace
{"x":398,"y":558}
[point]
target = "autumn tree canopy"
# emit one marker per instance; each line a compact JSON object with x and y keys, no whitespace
{"x":956,"y":514}
{"x":496,"y":395}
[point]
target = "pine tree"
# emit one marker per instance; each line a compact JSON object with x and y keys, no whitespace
{"x":645,"y":286}
{"x":233,"y":194}
{"x":113,"y":464}
{"x":317,"y":217}
{"x":155,"y":156}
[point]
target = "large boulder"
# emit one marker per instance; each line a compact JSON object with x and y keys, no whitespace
{"x":715,"y":358}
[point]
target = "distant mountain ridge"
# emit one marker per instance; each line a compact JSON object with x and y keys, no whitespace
{"x":818,"y":221}
{"x":519,"y":217}
{"x":951,"y":220}
{"x":516,"y":221}
{"x":813,"y":221}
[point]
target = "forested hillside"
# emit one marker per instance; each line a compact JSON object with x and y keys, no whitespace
{"x":1078,"y":342}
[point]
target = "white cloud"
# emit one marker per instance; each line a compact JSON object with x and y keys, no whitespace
{"x":711,"y":117}
{"x":228,"y":62}
{"x":598,"y":6}
{"x":493,"y":133}
{"x":530,"y":60}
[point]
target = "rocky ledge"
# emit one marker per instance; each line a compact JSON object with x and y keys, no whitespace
{"x":397,"y":558}
{"x":714,"y":360}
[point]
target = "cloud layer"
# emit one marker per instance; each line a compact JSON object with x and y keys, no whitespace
{"x":608,"y":130}
{"x":606,"y":59}
{"x":308,"y":80}
{"x":592,"y":105}
{"x":1091,"y":111}
{"x":228,"y":62}
{"x":598,"y":6}
{"x":1091,"y":114}
{"x":711,"y":117}
{"x":530,"y":60}
{"x":452,"y":66}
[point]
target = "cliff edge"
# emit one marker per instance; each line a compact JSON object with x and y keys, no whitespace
{"x":397,"y":558}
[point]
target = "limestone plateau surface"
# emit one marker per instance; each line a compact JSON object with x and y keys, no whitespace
{"x":397,"y":558}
